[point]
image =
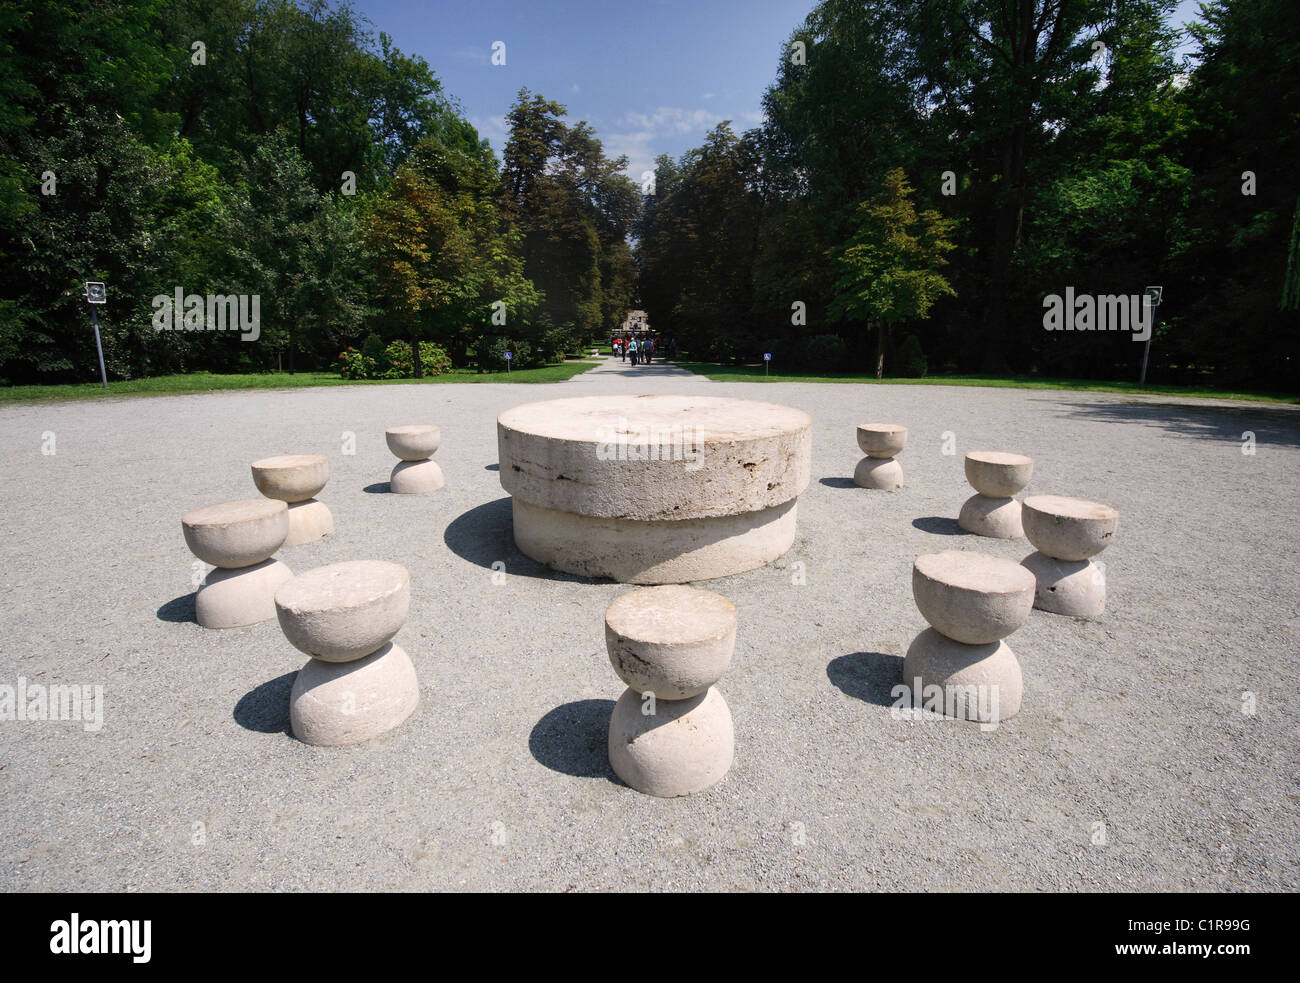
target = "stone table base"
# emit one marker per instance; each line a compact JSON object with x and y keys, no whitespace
{"x":663,"y":552}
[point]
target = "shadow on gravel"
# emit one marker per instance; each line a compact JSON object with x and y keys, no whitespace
{"x":573,"y":739}
{"x":1270,"y":426}
{"x":178,"y":609}
{"x":485,"y":535}
{"x":266,"y":709}
{"x":378,"y":488}
{"x":940,"y":525}
{"x":839,"y":483}
{"x":867,"y":676}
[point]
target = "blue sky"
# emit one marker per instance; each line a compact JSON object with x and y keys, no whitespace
{"x":652,"y":76}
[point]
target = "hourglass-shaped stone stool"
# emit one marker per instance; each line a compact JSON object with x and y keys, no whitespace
{"x":972,"y":601}
{"x":880,"y":442}
{"x":1068,"y":533}
{"x":357,"y":684}
{"x":670,"y":732}
{"x":297,"y":479}
{"x":416,"y":472}
{"x":238,"y":539}
{"x":995,"y":476}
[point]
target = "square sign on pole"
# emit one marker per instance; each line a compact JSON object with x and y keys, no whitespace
{"x":767,"y":358}
{"x":97,"y":293}
{"x":509,"y":356}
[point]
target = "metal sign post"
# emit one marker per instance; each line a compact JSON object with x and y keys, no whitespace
{"x":509,"y":356}
{"x":1152,"y":296}
{"x":97,"y":293}
{"x":767,"y":360}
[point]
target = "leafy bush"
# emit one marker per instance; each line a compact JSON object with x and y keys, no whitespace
{"x":393,"y":362}
{"x":492,"y":354}
{"x":823,"y":353}
{"x":354,"y":365}
{"x":434,"y":360}
{"x":912,"y":363}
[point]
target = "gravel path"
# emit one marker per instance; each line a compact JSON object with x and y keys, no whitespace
{"x":1134,"y":764}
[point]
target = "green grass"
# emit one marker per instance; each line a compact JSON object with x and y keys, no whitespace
{"x":203,"y":382}
{"x":754,"y":373}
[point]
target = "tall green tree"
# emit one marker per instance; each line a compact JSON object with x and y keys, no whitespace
{"x":890,"y":268}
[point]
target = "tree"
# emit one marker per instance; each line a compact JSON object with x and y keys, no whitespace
{"x":890,"y":267}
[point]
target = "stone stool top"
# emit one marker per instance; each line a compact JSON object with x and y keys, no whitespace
{"x":236,"y":534}
{"x":998,"y":474}
{"x":881,"y":440}
{"x":414,"y":442}
{"x":291,"y":477}
{"x":671,"y":615}
{"x":654,"y":457}
{"x":674,"y":641}
{"x":972,"y":597}
{"x":344,"y":611}
{"x":1068,"y":528}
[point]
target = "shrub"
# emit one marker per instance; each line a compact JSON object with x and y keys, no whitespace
{"x":434,"y":360}
{"x":354,"y":365}
{"x":492,"y":351}
{"x":823,"y":352}
{"x":912,"y":363}
{"x":393,"y":362}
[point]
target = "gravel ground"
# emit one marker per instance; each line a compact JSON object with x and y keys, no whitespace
{"x":1156,"y":749}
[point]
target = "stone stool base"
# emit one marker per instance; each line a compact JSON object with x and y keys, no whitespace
{"x":308,"y":522}
{"x":882,"y":473}
{"x":333,"y":704}
{"x":976,"y":682}
{"x":663,"y":552}
{"x":235,"y":598}
{"x":997,"y":518}
{"x":1076,"y":588}
{"x":685,"y":746}
{"x":415,"y":477}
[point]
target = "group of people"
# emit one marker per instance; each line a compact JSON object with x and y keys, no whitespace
{"x":640,"y":351}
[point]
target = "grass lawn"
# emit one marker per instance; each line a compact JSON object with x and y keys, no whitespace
{"x":754,"y":373}
{"x":203,"y":382}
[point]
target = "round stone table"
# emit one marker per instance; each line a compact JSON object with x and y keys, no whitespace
{"x":654,"y":489}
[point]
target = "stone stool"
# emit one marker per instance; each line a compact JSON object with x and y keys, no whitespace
{"x":416,"y":472}
{"x":995,"y":476}
{"x":972,"y":602}
{"x":1068,"y":533}
{"x":880,"y":442}
{"x":670,"y":732}
{"x":297,"y":479}
{"x":238,"y":539}
{"x":357,"y":683}
{"x":654,"y":489}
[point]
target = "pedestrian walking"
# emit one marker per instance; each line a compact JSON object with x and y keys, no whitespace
{"x":632,"y":350}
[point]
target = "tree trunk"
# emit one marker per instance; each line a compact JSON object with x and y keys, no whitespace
{"x":415,"y":357}
{"x":881,"y":328}
{"x":291,"y":346}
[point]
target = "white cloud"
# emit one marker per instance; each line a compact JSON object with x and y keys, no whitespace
{"x":641,"y":136}
{"x":481,"y":56}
